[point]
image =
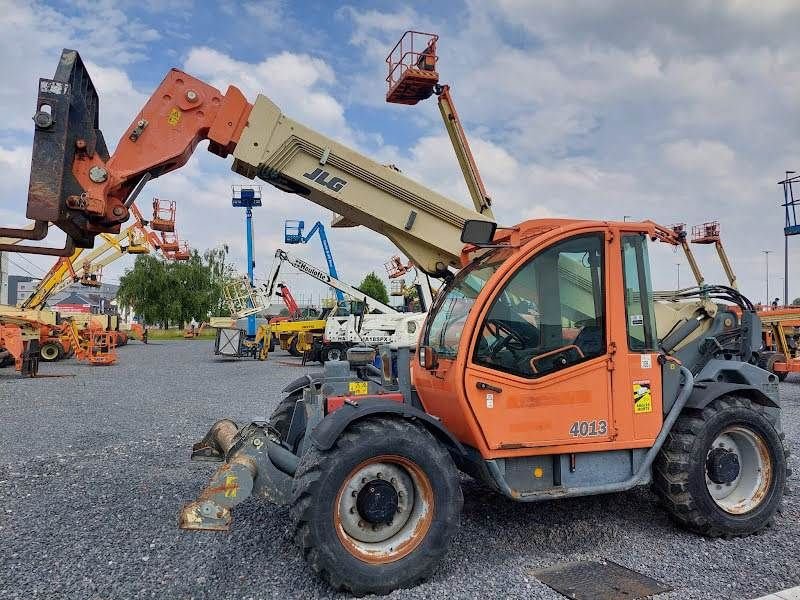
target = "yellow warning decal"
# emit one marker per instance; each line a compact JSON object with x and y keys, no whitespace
{"x":642,"y":397}
{"x":174,"y":117}
{"x":359,"y":388}
{"x":231,"y":486}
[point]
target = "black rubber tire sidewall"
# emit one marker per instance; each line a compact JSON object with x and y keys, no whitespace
{"x":360,"y":577}
{"x":760,"y":516}
{"x":281,"y":417}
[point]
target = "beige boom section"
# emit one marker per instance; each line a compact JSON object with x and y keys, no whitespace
{"x":423,"y":224}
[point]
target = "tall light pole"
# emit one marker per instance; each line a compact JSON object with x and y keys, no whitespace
{"x":766,"y":255}
{"x":679,"y":275}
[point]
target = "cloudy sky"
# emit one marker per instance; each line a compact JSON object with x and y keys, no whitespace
{"x":677,"y":111}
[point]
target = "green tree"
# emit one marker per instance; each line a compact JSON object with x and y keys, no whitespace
{"x":163,"y":292}
{"x":373,"y":286}
{"x":145,"y":289}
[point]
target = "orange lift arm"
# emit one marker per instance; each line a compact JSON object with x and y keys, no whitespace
{"x":80,"y":188}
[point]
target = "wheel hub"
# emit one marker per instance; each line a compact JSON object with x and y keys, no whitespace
{"x":722,"y":466}
{"x":377,"y":501}
{"x":738,"y":470}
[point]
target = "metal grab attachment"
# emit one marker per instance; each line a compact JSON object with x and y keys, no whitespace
{"x":78,"y":186}
{"x":254,"y":464}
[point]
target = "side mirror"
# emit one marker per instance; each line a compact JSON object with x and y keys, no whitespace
{"x":478,"y":232}
{"x":427,"y":357}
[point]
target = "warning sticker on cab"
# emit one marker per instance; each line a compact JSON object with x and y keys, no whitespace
{"x":174,"y":117}
{"x":359,"y":388}
{"x":642,"y":397}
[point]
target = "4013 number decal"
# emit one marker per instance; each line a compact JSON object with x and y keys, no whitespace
{"x":588,"y":428}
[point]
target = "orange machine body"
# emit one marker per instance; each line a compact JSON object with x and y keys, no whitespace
{"x":515,"y":416}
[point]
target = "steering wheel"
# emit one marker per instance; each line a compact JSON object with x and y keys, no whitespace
{"x":506,"y":338}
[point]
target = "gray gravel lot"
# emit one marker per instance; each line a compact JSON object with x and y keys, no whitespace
{"x":94,"y":467}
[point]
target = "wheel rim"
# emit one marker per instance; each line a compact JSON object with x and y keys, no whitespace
{"x":334,"y":354}
{"x":738,"y":470}
{"x":384,"y":509}
{"x":49,"y":352}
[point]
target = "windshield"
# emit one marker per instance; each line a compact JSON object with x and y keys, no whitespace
{"x":455,"y":301}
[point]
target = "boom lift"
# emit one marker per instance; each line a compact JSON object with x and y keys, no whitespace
{"x":540,"y":369}
{"x":413,"y":77}
{"x":293,"y":234}
{"x":357,"y":326}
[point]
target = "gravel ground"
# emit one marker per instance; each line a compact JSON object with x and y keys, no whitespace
{"x":94,"y":467}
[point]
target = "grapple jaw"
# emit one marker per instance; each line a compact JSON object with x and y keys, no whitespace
{"x":77,"y":186}
{"x":66,"y":122}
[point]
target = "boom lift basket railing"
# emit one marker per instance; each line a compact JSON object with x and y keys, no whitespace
{"x":170,"y":242}
{"x":183,"y":253}
{"x":244,"y":299}
{"x":90,"y":277}
{"x":790,"y":204}
{"x":137,"y":242}
{"x":707,"y":233}
{"x":395,"y":267}
{"x":163,"y":215}
{"x":412,"y":68}
{"x":293,"y":232}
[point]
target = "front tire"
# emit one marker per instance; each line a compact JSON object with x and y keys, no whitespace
{"x":723,"y":470}
{"x":376,"y":512}
{"x":293,"y":347}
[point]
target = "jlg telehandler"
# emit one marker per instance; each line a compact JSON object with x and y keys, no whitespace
{"x":545,"y":368}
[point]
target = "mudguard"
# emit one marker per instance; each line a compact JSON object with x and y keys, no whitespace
{"x":705,"y":392}
{"x":330,"y":428}
{"x":304,"y":381}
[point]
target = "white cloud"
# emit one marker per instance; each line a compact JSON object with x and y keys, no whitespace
{"x":296,"y":82}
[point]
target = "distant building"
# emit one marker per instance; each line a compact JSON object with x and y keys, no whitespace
{"x":99,"y":299}
{"x":14,"y":281}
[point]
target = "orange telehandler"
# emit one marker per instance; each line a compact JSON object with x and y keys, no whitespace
{"x":545,"y":368}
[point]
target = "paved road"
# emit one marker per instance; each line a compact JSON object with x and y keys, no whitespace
{"x":94,"y":467}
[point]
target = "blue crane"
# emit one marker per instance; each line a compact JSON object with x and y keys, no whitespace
{"x":293,"y":234}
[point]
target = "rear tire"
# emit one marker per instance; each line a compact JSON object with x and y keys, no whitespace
{"x":376,"y":511}
{"x":51,"y":352}
{"x":722,"y":470}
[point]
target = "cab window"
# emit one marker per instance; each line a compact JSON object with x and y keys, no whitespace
{"x":638,"y":293}
{"x":550,"y":314}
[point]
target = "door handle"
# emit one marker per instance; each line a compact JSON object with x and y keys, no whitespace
{"x":485,"y":386}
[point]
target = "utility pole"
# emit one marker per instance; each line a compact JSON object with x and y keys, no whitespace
{"x":766,"y":255}
{"x":678,"y":265}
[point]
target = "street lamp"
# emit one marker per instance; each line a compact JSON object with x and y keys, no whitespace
{"x":678,"y":265}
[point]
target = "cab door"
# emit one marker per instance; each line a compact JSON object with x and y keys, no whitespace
{"x":539,"y":371}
